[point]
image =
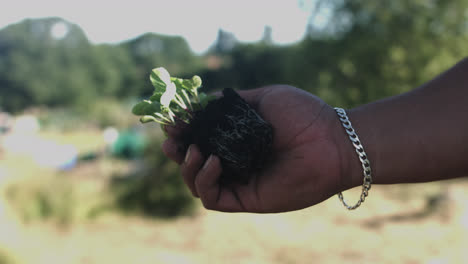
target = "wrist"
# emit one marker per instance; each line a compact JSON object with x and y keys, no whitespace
{"x":352,"y":168}
{"x":363,"y":159}
{"x":366,"y":130}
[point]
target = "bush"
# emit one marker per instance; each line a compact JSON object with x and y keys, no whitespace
{"x":42,"y":200}
{"x":57,"y":198}
{"x":109,"y":112}
{"x":157,"y":190}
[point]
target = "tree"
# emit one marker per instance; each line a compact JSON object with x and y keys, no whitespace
{"x":50,"y":62}
{"x":384,"y":48}
{"x":225,"y":42}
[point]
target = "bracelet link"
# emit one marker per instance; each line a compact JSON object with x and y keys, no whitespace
{"x":363,"y":158}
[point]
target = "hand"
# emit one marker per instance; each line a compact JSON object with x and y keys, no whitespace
{"x":306,"y":167}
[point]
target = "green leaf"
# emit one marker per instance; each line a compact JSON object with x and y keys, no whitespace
{"x":196,"y":81}
{"x":185,"y":97}
{"x":190,"y":85}
{"x":146,"y":107}
{"x":179,"y":83}
{"x":159,"y":78}
{"x":147,"y":119}
{"x":156,"y":97}
{"x":205,"y":99}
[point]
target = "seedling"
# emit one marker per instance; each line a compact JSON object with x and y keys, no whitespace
{"x":173,"y":99}
{"x":226,"y":126}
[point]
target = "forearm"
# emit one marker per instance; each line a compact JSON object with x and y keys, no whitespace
{"x":418,"y":136}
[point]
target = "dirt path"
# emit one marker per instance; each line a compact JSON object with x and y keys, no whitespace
{"x":397,"y":224}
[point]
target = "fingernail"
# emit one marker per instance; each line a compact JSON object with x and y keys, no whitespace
{"x":207,"y":163}
{"x":187,"y":155}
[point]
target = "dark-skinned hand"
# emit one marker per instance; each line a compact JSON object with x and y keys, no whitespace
{"x":307,"y":165}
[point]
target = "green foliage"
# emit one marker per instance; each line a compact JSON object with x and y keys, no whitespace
{"x":36,"y":66}
{"x":157,"y":191}
{"x":38,"y":69}
{"x":391,"y":47}
{"x":51,"y":198}
{"x":109,"y":112}
{"x":369,"y":50}
{"x":146,"y":107}
{"x":55,"y":198}
{"x":173,"y":98}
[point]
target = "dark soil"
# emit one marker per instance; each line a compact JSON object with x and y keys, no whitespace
{"x":231,"y":129}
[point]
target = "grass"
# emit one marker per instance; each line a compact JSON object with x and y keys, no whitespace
{"x":6,"y":257}
{"x":421,"y":223}
{"x":326,"y":233}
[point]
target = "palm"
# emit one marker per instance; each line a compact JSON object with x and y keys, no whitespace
{"x":305,"y":167}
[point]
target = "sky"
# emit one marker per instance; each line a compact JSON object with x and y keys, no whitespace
{"x":198,"y":21}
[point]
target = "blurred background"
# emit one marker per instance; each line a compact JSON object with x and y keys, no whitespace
{"x":82,"y":181}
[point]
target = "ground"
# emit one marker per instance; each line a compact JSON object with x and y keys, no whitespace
{"x":382,"y":231}
{"x":420,"y":223}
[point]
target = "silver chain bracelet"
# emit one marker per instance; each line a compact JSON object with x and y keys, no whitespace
{"x":366,"y":185}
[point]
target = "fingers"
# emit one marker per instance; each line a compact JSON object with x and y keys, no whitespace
{"x":193,"y":161}
{"x":207,"y":184}
{"x":202,"y":178}
{"x":174,"y":131}
{"x":173,"y":146}
{"x":199,"y":175}
{"x":212,"y":194}
{"x":173,"y":150}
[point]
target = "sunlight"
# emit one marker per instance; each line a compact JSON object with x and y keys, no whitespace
{"x":59,"y":30}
